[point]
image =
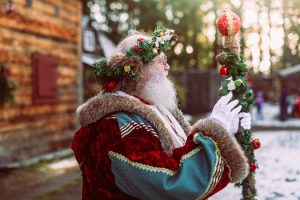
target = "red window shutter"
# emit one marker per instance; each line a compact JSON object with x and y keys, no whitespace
{"x":44,"y":78}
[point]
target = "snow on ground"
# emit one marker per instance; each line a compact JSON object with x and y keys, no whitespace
{"x":270,"y":113}
{"x":270,"y":117}
{"x":278,"y":158}
{"x":279,"y":163}
{"x":63,"y":164}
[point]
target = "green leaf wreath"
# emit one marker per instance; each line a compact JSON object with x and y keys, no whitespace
{"x":122,"y":66}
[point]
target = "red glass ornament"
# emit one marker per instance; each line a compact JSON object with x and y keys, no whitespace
{"x":137,"y":49}
{"x":253,"y":166}
{"x":228,"y":23}
{"x":111,"y":85}
{"x":256,"y":144}
{"x":141,"y":40}
{"x":224,"y":71}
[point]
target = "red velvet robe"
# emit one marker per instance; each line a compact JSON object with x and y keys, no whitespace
{"x":138,"y":162}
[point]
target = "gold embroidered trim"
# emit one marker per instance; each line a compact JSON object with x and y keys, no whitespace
{"x":142,"y":166}
{"x":216,"y":174}
{"x":189,"y":154}
{"x":151,"y":168}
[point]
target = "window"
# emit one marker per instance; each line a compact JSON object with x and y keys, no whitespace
{"x":44,"y":78}
{"x":89,"y":42}
{"x":29,"y":3}
{"x":56,"y":10}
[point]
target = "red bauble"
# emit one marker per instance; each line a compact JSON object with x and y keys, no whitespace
{"x":137,"y":49}
{"x":253,"y":166}
{"x":111,"y":85}
{"x":228,"y":23}
{"x":141,"y":40}
{"x":256,"y":144}
{"x":224,"y":71}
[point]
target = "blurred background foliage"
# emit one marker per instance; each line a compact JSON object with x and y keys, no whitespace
{"x":269,"y":36}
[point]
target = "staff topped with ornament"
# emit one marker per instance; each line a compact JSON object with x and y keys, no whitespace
{"x":229,"y":25}
{"x":233,"y":67}
{"x":234,"y":71}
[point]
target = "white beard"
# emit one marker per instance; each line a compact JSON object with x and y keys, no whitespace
{"x":160,"y":91}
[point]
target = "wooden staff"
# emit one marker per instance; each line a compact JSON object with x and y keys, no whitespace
{"x":229,"y":26}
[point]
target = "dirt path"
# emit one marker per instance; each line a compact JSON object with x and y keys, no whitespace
{"x":31,"y":183}
{"x":71,"y":191}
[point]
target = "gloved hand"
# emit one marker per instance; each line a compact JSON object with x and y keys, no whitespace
{"x":227,"y":115}
{"x":246,"y":120}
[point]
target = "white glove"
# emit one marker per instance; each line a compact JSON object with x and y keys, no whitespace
{"x":224,"y":113}
{"x":246,"y":120}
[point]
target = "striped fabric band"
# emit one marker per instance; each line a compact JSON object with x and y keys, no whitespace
{"x":219,"y":168}
{"x":128,"y":128}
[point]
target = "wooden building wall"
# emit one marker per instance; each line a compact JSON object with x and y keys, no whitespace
{"x":46,"y":27}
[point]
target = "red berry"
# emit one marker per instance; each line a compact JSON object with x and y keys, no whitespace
{"x":253,"y":166}
{"x":224,"y":71}
{"x":111,"y":85}
{"x":250,"y":82}
{"x":137,"y":49}
{"x":256,"y":144}
{"x":141,"y":40}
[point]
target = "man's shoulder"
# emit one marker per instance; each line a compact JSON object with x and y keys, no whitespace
{"x":103,"y":105}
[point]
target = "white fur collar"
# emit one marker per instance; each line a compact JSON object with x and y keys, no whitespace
{"x":104,"y":104}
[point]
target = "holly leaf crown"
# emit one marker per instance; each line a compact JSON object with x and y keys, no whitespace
{"x":122,"y":66}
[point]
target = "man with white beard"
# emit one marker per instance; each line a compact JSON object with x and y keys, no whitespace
{"x":134,"y":142}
